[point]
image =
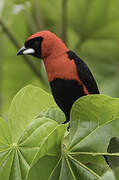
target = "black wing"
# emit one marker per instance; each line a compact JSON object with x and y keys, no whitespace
{"x":84,"y":73}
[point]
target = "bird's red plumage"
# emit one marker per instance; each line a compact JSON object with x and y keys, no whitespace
{"x":54,"y":55}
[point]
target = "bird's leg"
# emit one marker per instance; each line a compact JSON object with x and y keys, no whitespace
{"x":67,"y":120}
{"x":68,"y":127}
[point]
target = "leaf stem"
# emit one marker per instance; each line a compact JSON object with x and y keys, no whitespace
{"x":56,"y":166}
{"x":85,"y":167}
{"x":70,"y":169}
{"x":94,"y":154}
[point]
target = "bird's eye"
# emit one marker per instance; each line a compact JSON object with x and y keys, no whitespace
{"x":28,"y":43}
{"x":36,"y":43}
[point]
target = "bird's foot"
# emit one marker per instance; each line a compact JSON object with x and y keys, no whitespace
{"x":68,"y":125}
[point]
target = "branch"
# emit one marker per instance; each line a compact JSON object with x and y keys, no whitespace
{"x":37,"y":13}
{"x":16,"y":44}
{"x":64,"y":20}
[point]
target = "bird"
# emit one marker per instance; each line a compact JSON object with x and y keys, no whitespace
{"x":68,"y":75}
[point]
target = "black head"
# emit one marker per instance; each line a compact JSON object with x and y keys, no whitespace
{"x":32,"y":46}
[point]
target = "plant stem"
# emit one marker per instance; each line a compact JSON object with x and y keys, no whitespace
{"x":38,"y":16}
{"x":94,"y":154}
{"x":64,"y":20}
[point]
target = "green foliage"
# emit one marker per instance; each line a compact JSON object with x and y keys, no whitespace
{"x":26,"y":138}
{"x":35,"y":145}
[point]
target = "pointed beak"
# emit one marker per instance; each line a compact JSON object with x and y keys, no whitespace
{"x":25,"y":50}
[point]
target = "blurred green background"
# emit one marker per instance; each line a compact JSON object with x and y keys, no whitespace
{"x":89,"y":27}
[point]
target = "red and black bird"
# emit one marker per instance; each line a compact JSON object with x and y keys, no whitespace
{"x":68,"y":75}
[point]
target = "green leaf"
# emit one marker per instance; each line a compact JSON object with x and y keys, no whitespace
{"x":41,"y":138}
{"x":94,"y":121}
{"x":55,"y":114}
{"x":26,"y":106}
{"x":90,"y":113}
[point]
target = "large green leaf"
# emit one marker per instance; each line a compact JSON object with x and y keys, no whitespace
{"x":99,"y":110}
{"x":26,"y":106}
{"x":41,"y":138}
{"x":94,"y":121}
